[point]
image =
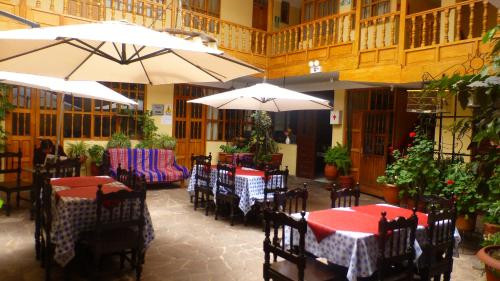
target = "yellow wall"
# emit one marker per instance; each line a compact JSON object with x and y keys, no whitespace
{"x":239,"y":11}
{"x":289,"y":157}
{"x":339,"y":103}
{"x":213,"y":147}
{"x":161,"y":94}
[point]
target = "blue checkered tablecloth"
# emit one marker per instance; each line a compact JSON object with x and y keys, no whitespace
{"x":248,"y":188}
{"x":74,"y":215}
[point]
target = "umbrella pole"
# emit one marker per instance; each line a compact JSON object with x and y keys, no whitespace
{"x":59,"y":125}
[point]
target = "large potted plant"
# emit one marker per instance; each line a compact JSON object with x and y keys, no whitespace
{"x":490,"y":256}
{"x":390,"y":179}
{"x":96,"y":153}
{"x":226,"y":153}
{"x":343,"y":164}
{"x":119,"y":140}
{"x":78,"y":150}
{"x":261,"y":142}
{"x":165,"y":141}
{"x":491,"y":203}
{"x":334,"y":156}
{"x":464,"y":187}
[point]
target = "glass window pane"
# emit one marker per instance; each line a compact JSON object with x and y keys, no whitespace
{"x":77,"y":104}
{"x":97,"y":126}
{"x":106,"y":122}
{"x":68,"y":102}
{"x":54,"y":125}
{"x":87,"y":105}
{"x":67,"y":125}
{"x":86,"y":126}
{"x":77,"y":125}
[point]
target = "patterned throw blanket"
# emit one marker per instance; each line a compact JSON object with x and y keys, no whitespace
{"x":157,"y":165}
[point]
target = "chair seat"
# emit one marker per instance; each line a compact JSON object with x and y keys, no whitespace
{"x":315,"y":270}
{"x":12,"y":185}
{"x":110,"y":241}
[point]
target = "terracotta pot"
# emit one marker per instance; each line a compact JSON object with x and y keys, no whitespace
{"x":94,"y":169}
{"x":346,"y":181}
{"x":410,"y":204}
{"x":391,"y":194}
{"x":83,"y":159}
{"x":276,"y":159}
{"x":491,"y":264}
{"x":491,"y":228}
{"x":225,"y":157}
{"x":466,"y":224}
{"x":331,"y":172}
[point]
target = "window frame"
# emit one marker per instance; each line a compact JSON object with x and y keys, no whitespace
{"x":373,"y":7}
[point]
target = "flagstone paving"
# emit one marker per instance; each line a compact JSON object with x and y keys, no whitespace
{"x":188,"y":245}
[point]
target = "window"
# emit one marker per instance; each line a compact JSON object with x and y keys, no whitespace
{"x":315,"y":9}
{"x":209,"y":7}
{"x":285,"y":12}
{"x":227,"y":124}
{"x":373,"y":8}
{"x":87,"y":118}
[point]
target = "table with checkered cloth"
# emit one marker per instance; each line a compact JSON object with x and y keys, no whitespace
{"x":248,"y":188}
{"x":74,"y":215}
{"x":357,"y":251}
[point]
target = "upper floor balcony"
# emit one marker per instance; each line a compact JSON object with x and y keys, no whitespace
{"x":396,"y":46}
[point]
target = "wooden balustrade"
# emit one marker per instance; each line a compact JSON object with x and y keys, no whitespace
{"x":379,"y":32}
{"x":319,"y":33}
{"x":448,"y":24}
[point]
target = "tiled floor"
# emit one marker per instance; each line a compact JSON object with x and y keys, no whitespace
{"x":188,"y":245}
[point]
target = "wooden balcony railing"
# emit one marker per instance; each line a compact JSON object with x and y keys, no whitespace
{"x":464,"y":20}
{"x":379,"y":32}
{"x":333,"y":30}
{"x":229,"y":35}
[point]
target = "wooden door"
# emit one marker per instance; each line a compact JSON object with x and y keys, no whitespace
{"x":259,"y":15}
{"x":356,"y":147}
{"x":306,"y":144}
{"x":189,"y":123}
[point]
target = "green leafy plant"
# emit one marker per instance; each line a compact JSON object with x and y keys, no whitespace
{"x":149,"y":128}
{"x":5,"y":107}
{"x":96,"y":153}
{"x":491,"y":200}
{"x":243,"y":149}
{"x":339,"y":156}
{"x":464,"y":186}
{"x":228,"y":148}
{"x":261,"y":141}
{"x":77,"y":149}
{"x":164,"y":141}
{"x":393,"y":170}
{"x":491,"y":240}
{"x":119,"y":140}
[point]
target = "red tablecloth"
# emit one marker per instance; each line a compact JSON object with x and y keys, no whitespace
{"x":88,"y":192}
{"x":326,"y":222}
{"x":81,"y":181}
{"x":392,"y":212}
{"x":245,"y":172}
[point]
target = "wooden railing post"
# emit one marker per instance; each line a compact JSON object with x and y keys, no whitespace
{"x":446,"y":24}
{"x":471,"y":20}
{"x":459,"y":23}
{"x":402,"y":31}
{"x":435,"y":33}
{"x":357,"y":29}
{"x":485,"y":16}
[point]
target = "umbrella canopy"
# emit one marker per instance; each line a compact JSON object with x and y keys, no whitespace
{"x":85,"y":89}
{"x":263,"y":96}
{"x":115,"y":51}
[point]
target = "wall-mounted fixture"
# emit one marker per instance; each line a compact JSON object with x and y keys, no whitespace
{"x":314,"y":66}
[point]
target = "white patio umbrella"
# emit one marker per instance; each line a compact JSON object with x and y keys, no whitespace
{"x":85,"y":89}
{"x":115,"y":51}
{"x":263,"y":96}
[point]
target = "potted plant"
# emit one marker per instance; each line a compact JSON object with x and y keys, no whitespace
{"x":261,"y":142}
{"x":491,"y":204}
{"x":343,"y":163}
{"x":490,"y":256}
{"x":333,"y":158}
{"x":78,"y":150}
{"x":119,"y":140}
{"x":164,"y":141}
{"x":390,"y":178}
{"x":96,"y":153}
{"x":464,"y":186}
{"x":226,"y":155}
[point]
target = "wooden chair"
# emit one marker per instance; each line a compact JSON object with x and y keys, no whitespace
{"x":199,"y":159}
{"x":396,"y":250}
{"x":64,"y":168}
{"x":45,"y":216}
{"x":202,"y":186}
{"x":344,"y":197}
{"x":225,"y":191}
{"x":436,"y":202}
{"x":291,"y":201}
{"x":130,"y":178}
{"x":296,"y":265}
{"x":10,"y":163}
{"x":119,"y":228}
{"x":437,"y":251}
{"x":275,"y":181}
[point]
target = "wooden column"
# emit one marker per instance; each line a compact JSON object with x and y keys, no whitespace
{"x":402,"y":31}
{"x":459,"y":24}
{"x":485,"y":16}
{"x":357,"y":29}
{"x":471,"y":20}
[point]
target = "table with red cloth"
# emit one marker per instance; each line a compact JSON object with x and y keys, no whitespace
{"x":249,"y":185}
{"x":74,"y":211}
{"x":348,"y":236}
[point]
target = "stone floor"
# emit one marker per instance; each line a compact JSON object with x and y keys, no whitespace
{"x":188,"y":245}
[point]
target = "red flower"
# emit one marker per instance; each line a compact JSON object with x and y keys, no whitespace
{"x":409,"y":145}
{"x":450,"y":182}
{"x":413,"y":134}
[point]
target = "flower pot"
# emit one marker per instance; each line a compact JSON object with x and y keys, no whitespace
{"x":94,"y":169}
{"x":330,"y":172}
{"x":225,"y":157}
{"x":491,"y":263}
{"x":466,"y":224}
{"x":391,"y":194}
{"x":491,"y":228}
{"x":346,"y":181}
{"x":276,"y":159}
{"x":83,"y":159}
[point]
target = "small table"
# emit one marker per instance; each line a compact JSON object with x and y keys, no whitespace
{"x":249,"y":186}
{"x":74,"y":211}
{"x":346,"y":236}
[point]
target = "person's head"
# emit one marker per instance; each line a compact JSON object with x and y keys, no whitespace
{"x":46,"y":145}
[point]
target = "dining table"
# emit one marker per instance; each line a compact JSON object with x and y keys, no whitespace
{"x":349,"y":236}
{"x":74,"y":212}
{"x":249,"y":185}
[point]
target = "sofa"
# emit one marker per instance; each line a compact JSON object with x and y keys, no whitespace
{"x":157,"y":165}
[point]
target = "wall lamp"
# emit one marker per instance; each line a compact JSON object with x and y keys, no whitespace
{"x":314,"y":66}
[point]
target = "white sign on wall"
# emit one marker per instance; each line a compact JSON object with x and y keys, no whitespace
{"x":335,"y":117}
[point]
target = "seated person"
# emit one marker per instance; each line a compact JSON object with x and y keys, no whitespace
{"x":46,"y":147}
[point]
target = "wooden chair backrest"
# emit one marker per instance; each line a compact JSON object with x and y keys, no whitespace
{"x":291,"y":201}
{"x":275,"y":180}
{"x":344,"y":197}
{"x":226,"y":178}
